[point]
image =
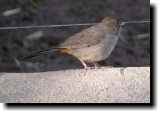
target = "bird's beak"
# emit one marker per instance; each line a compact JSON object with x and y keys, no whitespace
{"x":122,"y":23}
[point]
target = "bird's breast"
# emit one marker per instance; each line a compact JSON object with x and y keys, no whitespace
{"x":97,"y":52}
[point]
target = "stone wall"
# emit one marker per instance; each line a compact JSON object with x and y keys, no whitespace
{"x":107,"y":85}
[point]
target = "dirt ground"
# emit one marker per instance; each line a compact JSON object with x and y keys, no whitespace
{"x":133,"y":50}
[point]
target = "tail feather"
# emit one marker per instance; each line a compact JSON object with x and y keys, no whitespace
{"x":46,"y":51}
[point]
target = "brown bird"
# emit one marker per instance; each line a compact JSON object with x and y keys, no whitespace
{"x":91,"y":45}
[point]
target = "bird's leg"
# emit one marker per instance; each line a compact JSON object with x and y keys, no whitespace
{"x":85,"y":65}
{"x":96,"y":65}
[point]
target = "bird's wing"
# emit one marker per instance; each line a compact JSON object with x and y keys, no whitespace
{"x":85,"y":38}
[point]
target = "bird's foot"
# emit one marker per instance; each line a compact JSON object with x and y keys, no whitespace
{"x":97,"y":66}
{"x":85,"y":65}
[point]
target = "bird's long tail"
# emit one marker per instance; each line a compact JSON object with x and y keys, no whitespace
{"x":42,"y":52}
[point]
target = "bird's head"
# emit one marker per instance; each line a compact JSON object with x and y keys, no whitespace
{"x":111,"y":22}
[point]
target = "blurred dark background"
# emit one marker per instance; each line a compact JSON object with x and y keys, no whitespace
{"x":133,"y":50}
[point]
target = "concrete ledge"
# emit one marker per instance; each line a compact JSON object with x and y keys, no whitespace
{"x":109,"y":85}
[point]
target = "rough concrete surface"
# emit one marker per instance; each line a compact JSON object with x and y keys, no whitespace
{"x":107,"y":85}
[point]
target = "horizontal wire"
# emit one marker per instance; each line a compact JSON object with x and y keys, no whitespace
{"x":45,"y":26}
{"x":65,"y":25}
{"x":135,"y":22}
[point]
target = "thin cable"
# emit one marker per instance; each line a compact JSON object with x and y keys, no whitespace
{"x":66,"y":25}
{"x":135,"y":22}
{"x":45,"y":26}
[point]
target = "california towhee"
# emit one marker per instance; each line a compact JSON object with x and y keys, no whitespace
{"x":92,"y":44}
